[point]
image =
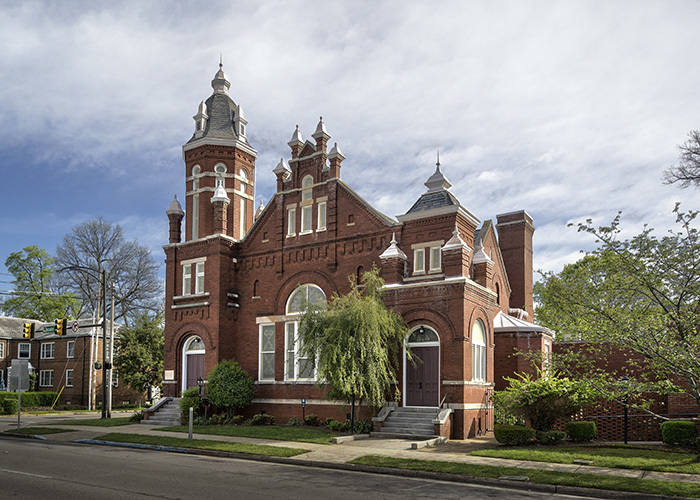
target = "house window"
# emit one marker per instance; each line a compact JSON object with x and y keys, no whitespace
{"x":306,"y":219}
{"x":69,"y":378}
{"x":70,"y":349}
{"x":243,"y":225}
{"x":46,"y":378}
{"x":244,"y":181}
{"x":195,"y":216}
{"x":24,"y":351}
{"x":307,"y":192}
{"x":291,"y":221}
{"x":267,"y":352}
{"x":435,"y":263}
{"x":2,"y":350}
{"x":186,"y":279}
{"x":478,"y":351}
{"x":321,"y":216}
{"x":199,"y":285}
{"x":298,"y":366}
{"x":47,"y":350}
{"x":419,"y":261}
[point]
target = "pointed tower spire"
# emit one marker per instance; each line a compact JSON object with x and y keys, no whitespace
{"x":220,"y":84}
{"x":437,"y":181}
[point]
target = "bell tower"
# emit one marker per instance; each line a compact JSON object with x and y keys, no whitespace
{"x":219,"y":166}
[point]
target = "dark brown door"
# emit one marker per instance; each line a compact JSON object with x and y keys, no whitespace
{"x":195,"y":369}
{"x":423,"y":379}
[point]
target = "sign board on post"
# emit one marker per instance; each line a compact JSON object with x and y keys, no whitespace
{"x":19,"y":375}
{"x":75,"y":326}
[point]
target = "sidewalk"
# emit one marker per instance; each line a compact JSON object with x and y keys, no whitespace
{"x":343,"y":453}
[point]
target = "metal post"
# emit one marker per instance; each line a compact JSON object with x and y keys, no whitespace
{"x":191,"y":418}
{"x":19,"y":404}
{"x":111,"y":357}
{"x":104,"y":344}
{"x":626,"y":420}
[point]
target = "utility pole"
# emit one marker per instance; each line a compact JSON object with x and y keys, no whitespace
{"x":111,"y":357}
{"x":104,"y":345}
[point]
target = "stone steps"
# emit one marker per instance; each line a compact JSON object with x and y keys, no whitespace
{"x":169,"y":414}
{"x":408,"y":423}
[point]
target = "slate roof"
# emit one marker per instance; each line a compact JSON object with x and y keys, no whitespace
{"x":429,"y":201}
{"x":221,"y":110}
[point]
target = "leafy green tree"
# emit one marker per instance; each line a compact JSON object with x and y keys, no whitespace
{"x":37,"y":294}
{"x":354,"y":342}
{"x":640,"y":294}
{"x":543,"y":399}
{"x":230,"y":387}
{"x":140,"y":358}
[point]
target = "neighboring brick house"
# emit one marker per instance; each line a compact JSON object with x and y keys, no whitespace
{"x":63,"y":364}
{"x":234,"y":283}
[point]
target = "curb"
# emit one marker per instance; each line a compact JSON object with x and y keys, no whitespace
{"x":385,"y":471}
{"x":23,"y":436}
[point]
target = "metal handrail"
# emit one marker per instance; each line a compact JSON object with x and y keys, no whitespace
{"x":445,"y":399}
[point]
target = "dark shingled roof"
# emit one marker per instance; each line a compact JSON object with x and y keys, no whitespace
{"x":221,"y":110}
{"x":430,"y":201}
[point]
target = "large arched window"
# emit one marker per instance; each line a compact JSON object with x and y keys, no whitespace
{"x":298,"y":366}
{"x":478,"y":351}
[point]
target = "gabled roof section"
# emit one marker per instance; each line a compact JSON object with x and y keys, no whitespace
{"x":506,"y":323}
{"x":384,"y":218}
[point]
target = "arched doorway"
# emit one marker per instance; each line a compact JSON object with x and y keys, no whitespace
{"x":192,"y":362}
{"x":422,"y":381}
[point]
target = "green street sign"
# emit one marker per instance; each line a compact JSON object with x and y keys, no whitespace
{"x":49,"y":328}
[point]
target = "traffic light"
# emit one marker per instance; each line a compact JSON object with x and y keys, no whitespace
{"x":28,"y":329}
{"x":60,"y":326}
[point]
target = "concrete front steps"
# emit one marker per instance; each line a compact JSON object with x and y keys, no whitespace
{"x":163,"y":412}
{"x":408,"y":423}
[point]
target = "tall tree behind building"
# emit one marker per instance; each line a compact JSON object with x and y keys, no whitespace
{"x":96,"y":245}
{"x":37,"y":294}
{"x":687,"y":172}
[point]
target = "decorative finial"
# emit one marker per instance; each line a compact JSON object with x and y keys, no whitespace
{"x":221,"y":60}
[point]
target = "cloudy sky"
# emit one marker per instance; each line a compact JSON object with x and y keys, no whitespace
{"x":568,"y":110}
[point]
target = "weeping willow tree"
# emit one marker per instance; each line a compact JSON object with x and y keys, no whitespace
{"x":354,"y":343}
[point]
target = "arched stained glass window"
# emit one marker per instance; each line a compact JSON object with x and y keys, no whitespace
{"x":423,"y":334}
{"x":311,"y":293}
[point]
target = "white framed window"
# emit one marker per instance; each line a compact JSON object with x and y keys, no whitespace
{"x":321,"y":216}
{"x":307,"y":192}
{"x":220,"y":170}
{"x":47,"y":350}
{"x":196,"y":170}
{"x":2,"y":350}
{"x":435,"y":259}
{"x":69,"y":378}
{"x":296,"y":365}
{"x":195,"y":185}
{"x":419,"y":260}
{"x":24,"y":351}
{"x":244,"y":181}
{"x":306,"y":219}
{"x":244,"y":228}
{"x":186,"y":279}
{"x":266,"y":365}
{"x":195,"y":216}
{"x":478,"y":352}
{"x":199,"y":284}
{"x":46,"y":378}
{"x":291,"y":221}
{"x":70,"y":349}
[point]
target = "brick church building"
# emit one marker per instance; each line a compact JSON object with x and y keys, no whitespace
{"x":236,"y":276}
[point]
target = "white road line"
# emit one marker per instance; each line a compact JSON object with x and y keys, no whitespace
{"x":24,"y":473}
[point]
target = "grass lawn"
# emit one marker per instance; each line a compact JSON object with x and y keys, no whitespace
{"x":291,"y":433}
{"x":38,"y":431}
{"x":540,"y":476}
{"x":619,"y":457}
{"x":98,"y":422}
{"x":203,"y":444}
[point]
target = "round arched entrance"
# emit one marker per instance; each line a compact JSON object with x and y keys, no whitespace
{"x":192,"y":362}
{"x":422,"y":380}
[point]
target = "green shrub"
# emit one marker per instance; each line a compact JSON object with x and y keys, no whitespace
{"x":581,"y":431}
{"x":200,"y":420}
{"x":502,"y":416}
{"x":335,"y":425}
{"x":293,"y":421}
{"x":550,"y":438}
{"x":29,"y":400}
{"x":230,"y":387}
{"x":9,"y":406}
{"x":190,"y":399}
{"x":681,"y":432}
{"x":311,"y":420}
{"x":512,"y":435}
{"x":361,"y":426}
{"x":262,"y":419}
{"x":218,"y":419}
{"x":236,"y":420}
{"x":136,"y":417}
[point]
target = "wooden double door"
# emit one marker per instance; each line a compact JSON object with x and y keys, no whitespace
{"x":423,"y":379}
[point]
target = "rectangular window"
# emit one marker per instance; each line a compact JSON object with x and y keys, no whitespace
{"x":199,"y":285}
{"x":306,"y":219}
{"x":46,"y":378}
{"x":478,"y":362}
{"x":321,"y":216}
{"x":47,"y":350}
{"x":2,"y":350}
{"x":195,"y":216}
{"x":70,"y":349}
{"x":267,"y":352}
{"x":244,"y":229}
{"x":291,"y":221}
{"x":419,"y":260}
{"x":297,"y":367}
{"x":24,"y":351}
{"x":186,"y":279}
{"x":69,"y":378}
{"x":435,"y":263}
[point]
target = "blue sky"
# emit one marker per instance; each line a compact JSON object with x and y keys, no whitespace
{"x":568,"y":110}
